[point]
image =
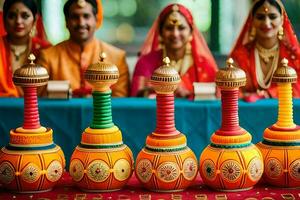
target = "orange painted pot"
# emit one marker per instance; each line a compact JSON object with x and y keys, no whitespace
{"x":31,"y":170}
{"x":166,"y":167}
{"x":31,"y":162}
{"x":232,"y":168}
{"x":101,"y":170}
{"x":281,"y":150}
{"x":282,"y":165}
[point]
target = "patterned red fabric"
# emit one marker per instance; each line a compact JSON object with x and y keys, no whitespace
{"x":204,"y":68}
{"x":134,"y":191}
{"x":243,"y":54}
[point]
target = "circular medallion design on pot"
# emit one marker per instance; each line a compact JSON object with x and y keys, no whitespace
{"x":231,"y":170}
{"x":190,"y":168}
{"x":31,"y":173}
{"x":295,"y":169}
{"x":168,"y":171}
{"x":144,"y":170}
{"x":76,"y":170}
{"x":54,"y":171}
{"x":122,"y":170}
{"x":7,"y":173}
{"x":209,"y":169}
{"x":255,"y":169}
{"x":98,"y":171}
{"x":274,"y":168}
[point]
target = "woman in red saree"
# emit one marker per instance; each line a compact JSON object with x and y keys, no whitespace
{"x":20,"y":20}
{"x":266,"y":38}
{"x":175,"y":35}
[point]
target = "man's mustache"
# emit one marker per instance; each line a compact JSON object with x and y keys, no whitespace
{"x":81,"y":27}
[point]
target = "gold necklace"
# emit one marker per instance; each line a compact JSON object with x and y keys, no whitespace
{"x":18,"y":50}
{"x":266,"y":54}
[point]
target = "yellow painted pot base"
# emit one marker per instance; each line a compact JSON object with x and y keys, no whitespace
{"x":37,"y":130}
{"x":101,"y":170}
{"x":30,"y":139}
{"x":31,"y":171}
{"x":166,"y":171}
{"x":102,"y":136}
{"x":282,"y":136}
{"x":281,"y":165}
{"x":166,"y":142}
{"x":231,"y":169}
{"x":231,"y":140}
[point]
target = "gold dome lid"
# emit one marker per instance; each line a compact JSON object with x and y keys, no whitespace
{"x":102,"y":74}
{"x":230,"y":76}
{"x":284,"y":73}
{"x":165,"y":78}
{"x":31,"y":74}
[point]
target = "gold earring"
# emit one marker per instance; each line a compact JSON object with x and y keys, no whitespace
{"x":252,"y":33}
{"x":188,"y":48}
{"x":160,"y":40}
{"x":280,"y":33}
{"x":32,"y":31}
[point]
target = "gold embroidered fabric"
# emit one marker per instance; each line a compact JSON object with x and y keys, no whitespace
{"x":264,"y":80}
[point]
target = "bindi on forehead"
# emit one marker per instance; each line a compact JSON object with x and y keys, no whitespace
{"x":174,"y":17}
{"x":19,"y":8}
{"x":18,"y":11}
{"x":266,"y":9}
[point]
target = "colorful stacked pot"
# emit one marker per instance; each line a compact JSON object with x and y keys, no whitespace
{"x":101,"y":162}
{"x":231,"y":162}
{"x":281,"y":142}
{"x":166,"y":163}
{"x":31,"y":162}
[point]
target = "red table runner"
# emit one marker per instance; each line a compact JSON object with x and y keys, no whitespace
{"x":134,"y":191}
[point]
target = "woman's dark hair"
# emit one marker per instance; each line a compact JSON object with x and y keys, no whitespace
{"x":70,"y":2}
{"x":259,"y":3}
{"x":30,"y":4}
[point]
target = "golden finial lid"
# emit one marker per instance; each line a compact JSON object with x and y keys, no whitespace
{"x":230,"y":76}
{"x":31,"y":74}
{"x":102,"y":74}
{"x":165,"y":79}
{"x":284,"y":73}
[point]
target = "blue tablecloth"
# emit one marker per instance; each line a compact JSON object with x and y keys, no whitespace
{"x":136,"y":117}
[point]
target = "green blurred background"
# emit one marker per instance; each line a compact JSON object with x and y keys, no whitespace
{"x":126,"y":22}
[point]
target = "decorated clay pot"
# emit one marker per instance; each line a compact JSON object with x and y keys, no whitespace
{"x":106,"y":168}
{"x":166,"y":163}
{"x":231,"y":169}
{"x":231,"y":162}
{"x":280,"y":145}
{"x":31,"y":162}
{"x":101,"y":162}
